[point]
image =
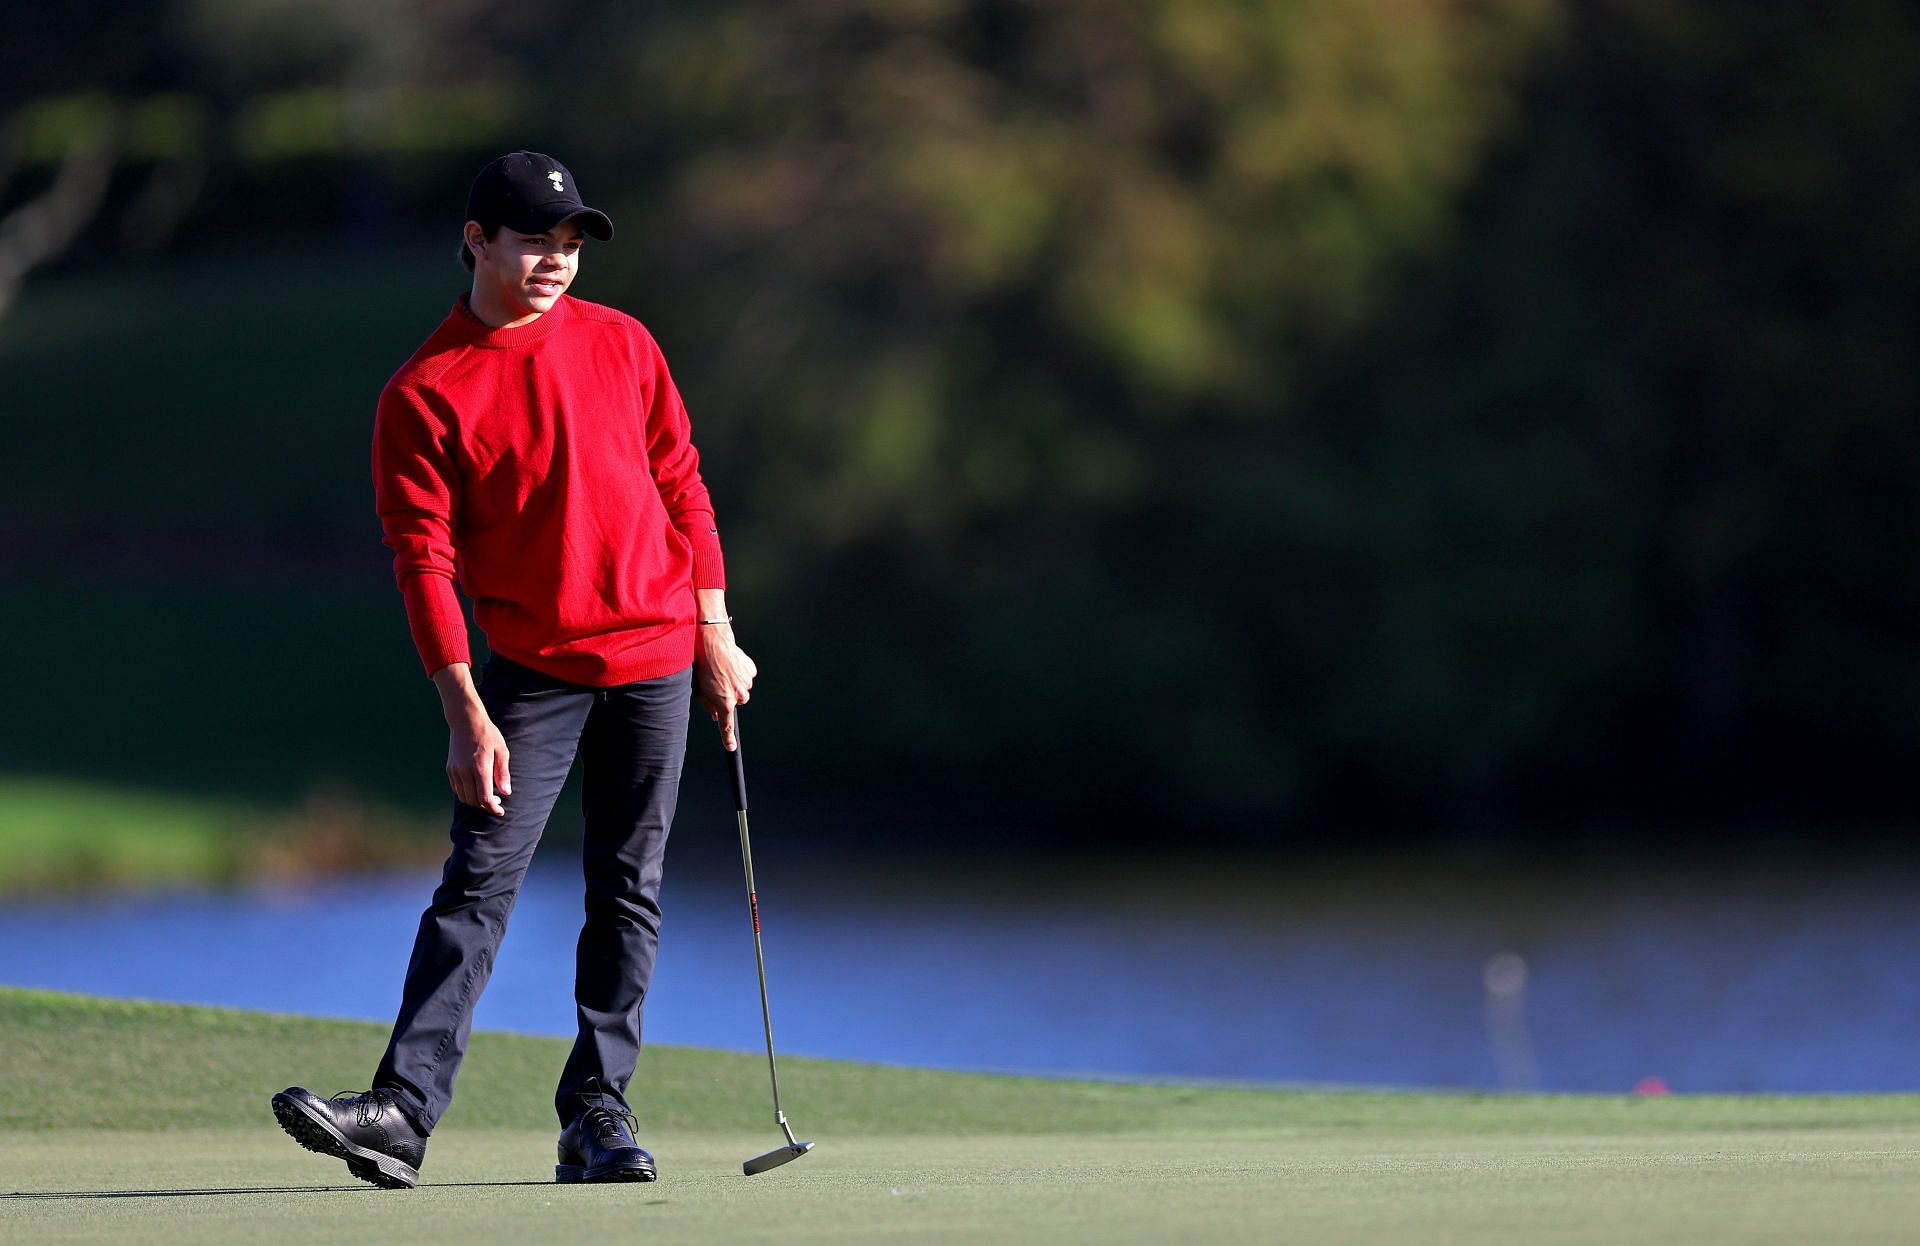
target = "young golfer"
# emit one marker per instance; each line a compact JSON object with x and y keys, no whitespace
{"x":536,"y":452}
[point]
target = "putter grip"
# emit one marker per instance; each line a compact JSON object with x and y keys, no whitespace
{"x":739,"y":763}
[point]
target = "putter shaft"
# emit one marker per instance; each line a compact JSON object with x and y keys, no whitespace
{"x":759,"y":956}
{"x":794,"y":1148}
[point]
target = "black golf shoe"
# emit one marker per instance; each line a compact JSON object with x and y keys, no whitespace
{"x":599,"y":1146}
{"x":368,"y":1131}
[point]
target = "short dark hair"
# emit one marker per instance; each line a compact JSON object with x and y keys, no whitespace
{"x":466,"y":252}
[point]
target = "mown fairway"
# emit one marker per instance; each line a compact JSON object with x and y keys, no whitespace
{"x":137,"y":1123}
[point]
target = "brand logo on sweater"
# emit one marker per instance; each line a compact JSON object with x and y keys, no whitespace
{"x":554,"y":177}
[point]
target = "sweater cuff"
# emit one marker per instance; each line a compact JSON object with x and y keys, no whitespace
{"x":439,"y":628}
{"x":709,"y":567}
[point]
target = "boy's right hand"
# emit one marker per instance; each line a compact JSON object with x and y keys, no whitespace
{"x":477,"y":763}
{"x":476,"y":751}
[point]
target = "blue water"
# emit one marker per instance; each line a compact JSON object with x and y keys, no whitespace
{"x":1712,"y":984}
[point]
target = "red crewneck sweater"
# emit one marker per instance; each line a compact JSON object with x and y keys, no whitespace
{"x":550,"y":470}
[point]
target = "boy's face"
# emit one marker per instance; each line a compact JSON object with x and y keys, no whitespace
{"x":526,"y":273}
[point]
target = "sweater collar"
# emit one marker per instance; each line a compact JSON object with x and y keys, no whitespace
{"x":470,"y":329}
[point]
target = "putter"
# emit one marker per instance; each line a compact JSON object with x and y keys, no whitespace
{"x":794,"y":1149}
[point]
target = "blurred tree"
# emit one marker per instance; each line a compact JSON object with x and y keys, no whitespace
{"x":45,"y":225}
{"x":1643,"y":464}
{"x":1349,"y":408}
{"x":1175,"y":198}
{"x":1003,"y":285}
{"x":1217,"y":415}
{"x":127,"y":108}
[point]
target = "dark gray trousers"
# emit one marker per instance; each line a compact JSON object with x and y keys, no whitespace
{"x":631,"y":741}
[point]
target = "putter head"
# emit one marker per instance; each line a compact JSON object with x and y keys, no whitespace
{"x":774,"y":1158}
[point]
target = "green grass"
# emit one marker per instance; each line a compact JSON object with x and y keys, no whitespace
{"x":61,"y":833}
{"x":137,"y":1122}
{"x":64,"y":834}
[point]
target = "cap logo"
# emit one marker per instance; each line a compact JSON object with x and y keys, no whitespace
{"x":554,"y":177}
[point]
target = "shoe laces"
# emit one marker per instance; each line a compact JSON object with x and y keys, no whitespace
{"x":604,"y":1122}
{"x":597,"y":1116}
{"x":368,"y":1105}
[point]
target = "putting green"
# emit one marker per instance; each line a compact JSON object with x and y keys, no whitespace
{"x":125,"y":1122}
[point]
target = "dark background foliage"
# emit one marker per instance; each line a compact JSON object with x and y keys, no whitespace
{"x":1473,"y":423}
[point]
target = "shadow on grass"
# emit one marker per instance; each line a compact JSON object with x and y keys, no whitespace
{"x":253,"y":1189}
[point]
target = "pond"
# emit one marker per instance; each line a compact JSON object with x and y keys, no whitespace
{"x":1388,"y":976}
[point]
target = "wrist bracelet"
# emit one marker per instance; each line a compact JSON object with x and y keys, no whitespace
{"x":715,"y":622}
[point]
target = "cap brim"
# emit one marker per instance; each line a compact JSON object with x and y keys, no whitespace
{"x":593,"y":222}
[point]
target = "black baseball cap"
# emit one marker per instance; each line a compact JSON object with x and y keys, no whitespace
{"x":530,"y":193}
